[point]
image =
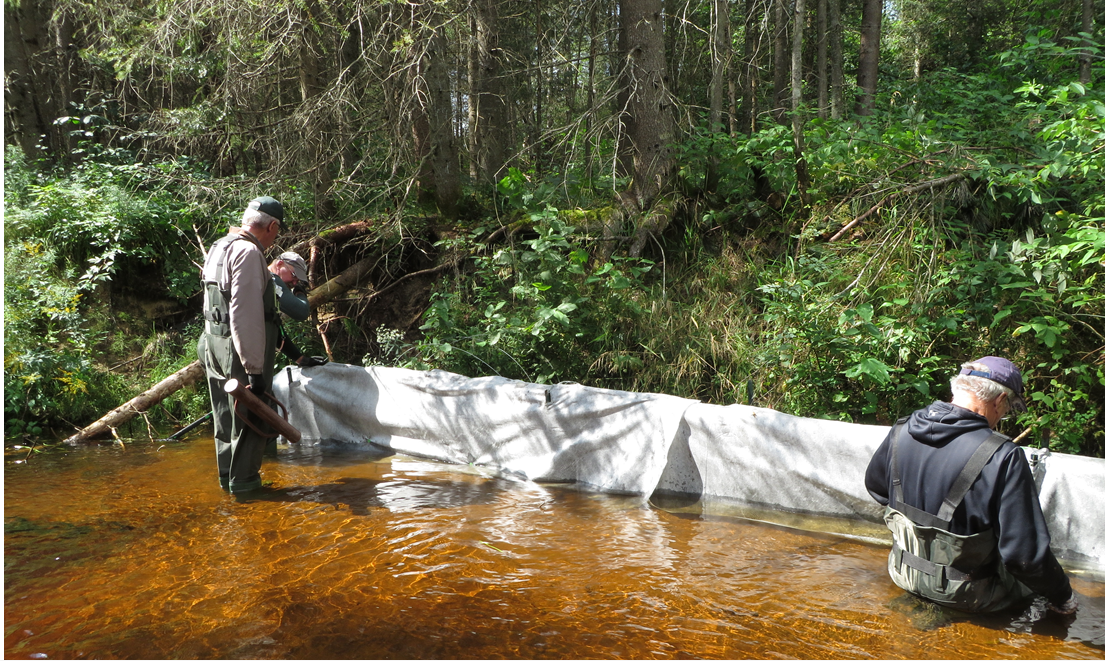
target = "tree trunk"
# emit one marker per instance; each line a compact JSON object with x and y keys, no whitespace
{"x":489,"y":102}
{"x":1085,"y":74}
{"x":649,"y":103}
{"x":432,"y":116}
{"x":867,"y":78}
{"x":750,"y":77}
{"x":836,"y":55}
{"x":38,"y":77}
{"x":473,"y":93}
{"x":835,"y":62}
{"x":310,"y":86}
{"x":539,"y":86}
{"x":592,"y":57}
{"x":822,"y":60}
{"x":782,"y":60}
{"x":65,"y":51}
{"x":797,"y":114}
{"x":796,"y":55}
{"x":721,"y":49}
{"x":623,"y":164}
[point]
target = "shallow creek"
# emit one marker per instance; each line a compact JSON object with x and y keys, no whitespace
{"x":135,"y":552}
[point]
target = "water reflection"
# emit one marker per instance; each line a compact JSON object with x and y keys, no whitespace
{"x":137,"y":553}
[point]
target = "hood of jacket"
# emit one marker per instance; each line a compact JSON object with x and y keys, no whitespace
{"x":940,"y":422}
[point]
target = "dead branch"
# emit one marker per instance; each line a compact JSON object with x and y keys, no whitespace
{"x":436,"y":269}
{"x":917,"y":188}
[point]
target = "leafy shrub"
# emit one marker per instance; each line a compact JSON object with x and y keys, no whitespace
{"x":66,"y":235}
{"x":538,"y":312}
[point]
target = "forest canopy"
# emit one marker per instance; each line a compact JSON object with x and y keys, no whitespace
{"x":817,"y":206}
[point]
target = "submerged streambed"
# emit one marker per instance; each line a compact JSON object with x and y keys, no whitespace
{"x":137,"y":553}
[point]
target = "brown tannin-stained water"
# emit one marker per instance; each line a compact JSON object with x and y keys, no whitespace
{"x":137,"y":553}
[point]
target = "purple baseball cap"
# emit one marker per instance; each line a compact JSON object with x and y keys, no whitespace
{"x":1004,"y":372}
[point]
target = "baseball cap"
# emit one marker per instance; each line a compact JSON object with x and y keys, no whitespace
{"x":269,"y":205}
{"x":299,"y":267}
{"x":1004,"y":372}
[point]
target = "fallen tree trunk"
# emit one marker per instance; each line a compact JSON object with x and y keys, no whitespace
{"x":122,"y":414}
{"x":336,"y":235}
{"x":338,"y":285}
{"x":195,"y":371}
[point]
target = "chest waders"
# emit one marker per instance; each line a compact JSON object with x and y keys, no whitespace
{"x":963,"y":572}
{"x":239,"y":448}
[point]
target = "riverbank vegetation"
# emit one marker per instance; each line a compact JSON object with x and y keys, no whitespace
{"x":554,"y":193}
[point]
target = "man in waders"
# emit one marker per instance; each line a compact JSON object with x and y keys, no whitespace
{"x":961,"y":502}
{"x":240,"y":337}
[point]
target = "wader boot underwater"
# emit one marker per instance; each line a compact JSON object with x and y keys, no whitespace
{"x":238,"y":448}
{"x":963,"y":572}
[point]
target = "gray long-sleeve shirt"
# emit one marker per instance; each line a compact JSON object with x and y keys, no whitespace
{"x":246,"y":277}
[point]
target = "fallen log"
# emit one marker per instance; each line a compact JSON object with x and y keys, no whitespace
{"x":195,"y":371}
{"x":337,"y":235}
{"x":339,"y":284}
{"x":120,"y":415}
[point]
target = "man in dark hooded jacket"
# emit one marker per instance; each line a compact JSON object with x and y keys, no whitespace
{"x":961,"y":502}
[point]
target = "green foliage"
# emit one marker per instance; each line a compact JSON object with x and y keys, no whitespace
{"x":1007,"y":261}
{"x":1005,"y":258}
{"x":49,"y":374}
{"x":93,"y":220}
{"x":67,"y":235}
{"x":540,"y":311}
{"x":979,"y":185}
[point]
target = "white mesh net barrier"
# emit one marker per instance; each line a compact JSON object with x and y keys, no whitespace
{"x":641,"y":443}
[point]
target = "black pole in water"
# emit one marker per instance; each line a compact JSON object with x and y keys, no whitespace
{"x":190,"y":427}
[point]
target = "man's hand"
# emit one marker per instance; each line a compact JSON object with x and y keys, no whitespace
{"x":1066,"y":608}
{"x":311,"y":361}
{"x":257,"y":384}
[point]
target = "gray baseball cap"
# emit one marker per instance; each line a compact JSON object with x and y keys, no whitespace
{"x":299,"y":267}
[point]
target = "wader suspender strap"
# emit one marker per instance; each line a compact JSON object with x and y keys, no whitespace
{"x":958,"y":490}
{"x":220,"y":273}
{"x":217,"y":312}
{"x":943,"y":519}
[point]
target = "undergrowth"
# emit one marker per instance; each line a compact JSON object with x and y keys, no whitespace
{"x":981,"y":231}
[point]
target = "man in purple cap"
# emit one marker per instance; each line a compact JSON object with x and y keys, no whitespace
{"x":961,"y":502}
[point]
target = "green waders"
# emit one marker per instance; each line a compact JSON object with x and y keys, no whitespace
{"x":963,"y":572}
{"x":238,"y":448}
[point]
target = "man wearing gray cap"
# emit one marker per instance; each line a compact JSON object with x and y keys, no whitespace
{"x":289,"y":277}
{"x":240,"y":336}
{"x":961,"y":502}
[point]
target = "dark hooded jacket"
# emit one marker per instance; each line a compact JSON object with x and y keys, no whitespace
{"x":940,"y":441}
